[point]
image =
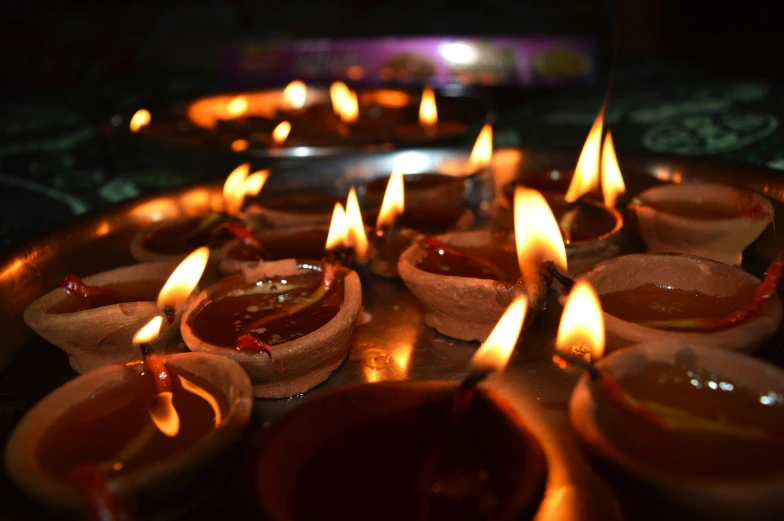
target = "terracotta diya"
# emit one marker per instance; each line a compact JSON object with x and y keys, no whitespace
{"x":592,"y":227}
{"x":441,"y":450}
{"x":345,"y":233}
{"x":132,"y":439}
{"x":172,"y":239}
{"x":398,"y":226}
{"x":93,"y":320}
{"x":466,"y":280}
{"x":698,"y":430}
{"x":680,"y":299}
{"x":287,"y":324}
{"x":712,"y":221}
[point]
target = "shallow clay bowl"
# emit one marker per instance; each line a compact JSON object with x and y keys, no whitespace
{"x":142,"y":254}
{"x":148,"y":487}
{"x":384,"y":261}
{"x":296,"y":366}
{"x":103,"y":335}
{"x":465,"y":308}
{"x":719,"y":239}
{"x":291,"y":445}
{"x":687,"y":273}
{"x":693,"y":497}
{"x":305,"y":242}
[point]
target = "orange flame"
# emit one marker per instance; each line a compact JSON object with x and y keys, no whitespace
{"x":254,"y":183}
{"x":238,"y":145}
{"x":237,"y":107}
{"x":337,"y":235}
{"x":233,"y":193}
{"x":586,"y":173}
{"x":482,"y":153}
{"x":356,"y":228}
{"x":428,"y":113}
{"x":149,"y":332}
{"x":393,"y":203}
{"x":581,"y":331}
{"x":537,"y":235}
{"x":612,"y":179}
{"x":496,"y":351}
{"x":281,"y":132}
{"x":344,"y":102}
{"x":164,"y":415}
{"x":140,"y":119}
{"x":184,"y":279}
{"x":295,"y":94}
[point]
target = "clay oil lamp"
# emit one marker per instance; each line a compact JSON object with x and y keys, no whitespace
{"x":691,"y":429}
{"x":303,"y":243}
{"x":287,"y":323}
{"x":466,"y":280}
{"x":129,"y":439}
{"x":429,"y":126}
{"x":442,"y":450}
{"x":93,"y":320}
{"x":450,"y":187}
{"x":712,"y":221}
{"x":591,"y":223}
{"x":397,"y":226}
{"x":172,"y":239}
{"x":685,"y":300}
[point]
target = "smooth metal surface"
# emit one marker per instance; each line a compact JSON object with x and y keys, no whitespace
{"x":395,"y":345}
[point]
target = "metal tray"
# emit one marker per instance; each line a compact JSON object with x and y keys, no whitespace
{"x":395,"y":345}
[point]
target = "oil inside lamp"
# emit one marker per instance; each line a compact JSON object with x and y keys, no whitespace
{"x":141,"y":118}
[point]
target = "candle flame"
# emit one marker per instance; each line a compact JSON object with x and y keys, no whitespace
{"x":238,"y":145}
{"x":337,"y":235}
{"x":237,"y":107}
{"x":428,"y":113}
{"x":581,"y":331}
{"x":612,"y":179}
{"x":281,"y":132}
{"x":537,"y":235}
{"x":164,"y":415}
{"x":140,"y":119}
{"x":586,"y":173}
{"x":149,"y":332}
{"x":393,"y":203}
{"x":254,"y":183}
{"x":482,"y":153}
{"x":184,"y":279}
{"x":344,"y":102}
{"x":496,"y":351}
{"x":356,"y":227}
{"x":295,"y":94}
{"x":233,"y":193}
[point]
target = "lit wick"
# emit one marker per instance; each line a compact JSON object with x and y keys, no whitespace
{"x":182,"y":282}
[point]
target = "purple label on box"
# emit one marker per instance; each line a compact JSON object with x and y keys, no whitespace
{"x":436,"y":61}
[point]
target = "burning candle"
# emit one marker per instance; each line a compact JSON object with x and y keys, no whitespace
{"x":294,"y":95}
{"x":128,"y":439}
{"x":429,"y":124}
{"x":141,"y":118}
{"x":172,"y":239}
{"x":428,"y":441}
{"x":440,"y":271}
{"x":696,"y":424}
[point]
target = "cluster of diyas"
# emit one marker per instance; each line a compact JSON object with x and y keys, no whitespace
{"x":302,"y":115}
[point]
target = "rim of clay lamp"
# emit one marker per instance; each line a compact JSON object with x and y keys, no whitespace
{"x":146,"y":485}
{"x":103,"y":335}
{"x":465,"y":308}
{"x":583,"y":254}
{"x":340,"y":410}
{"x":722,"y":240}
{"x":227,"y":265}
{"x":683,"y":272}
{"x":296,"y":366}
{"x":142,"y":254}
{"x":737,"y":498}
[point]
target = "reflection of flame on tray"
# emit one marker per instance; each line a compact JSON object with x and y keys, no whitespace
{"x":560,"y":62}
